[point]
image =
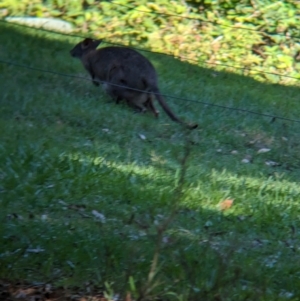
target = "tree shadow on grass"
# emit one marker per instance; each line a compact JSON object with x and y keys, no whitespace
{"x":102,"y":224}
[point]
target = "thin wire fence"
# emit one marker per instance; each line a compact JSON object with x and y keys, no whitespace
{"x":273,"y":117}
{"x":161,"y":53}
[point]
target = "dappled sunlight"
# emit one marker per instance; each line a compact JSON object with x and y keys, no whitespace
{"x":205,"y":190}
{"x":263,"y":184}
{"x":248,"y":192}
{"x":130,"y":168}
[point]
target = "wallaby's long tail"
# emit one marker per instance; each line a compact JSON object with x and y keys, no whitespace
{"x":169,"y":111}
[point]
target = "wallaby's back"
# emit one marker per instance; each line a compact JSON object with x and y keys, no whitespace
{"x":138,"y":71}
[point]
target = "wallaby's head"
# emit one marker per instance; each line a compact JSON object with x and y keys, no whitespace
{"x":84,"y":47}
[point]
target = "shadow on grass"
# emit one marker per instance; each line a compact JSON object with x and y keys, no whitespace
{"x":70,"y":219}
{"x":68,"y":151}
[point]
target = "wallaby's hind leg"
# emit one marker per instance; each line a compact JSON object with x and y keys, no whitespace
{"x":116,"y":82}
{"x":136,"y":100}
{"x":118,"y":91}
{"x":150,"y":105}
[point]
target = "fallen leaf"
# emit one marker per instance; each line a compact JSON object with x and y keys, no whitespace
{"x":62,"y":203}
{"x":99,"y":216}
{"x":271,"y":163}
{"x":71,"y":264}
{"x":166,"y":239}
{"x":36,"y":250}
{"x":20,"y":295}
{"x":226,"y":204}
{"x":48,"y":287}
{"x":208,"y":224}
{"x":245,"y":161}
{"x":128,"y":297}
{"x":143,"y":137}
{"x":44,"y":217}
{"x":263,"y":150}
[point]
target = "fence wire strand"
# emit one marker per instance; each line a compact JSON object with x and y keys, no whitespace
{"x":273,"y":117}
{"x":157,"y":52}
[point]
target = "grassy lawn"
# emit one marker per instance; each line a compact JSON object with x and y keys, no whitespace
{"x":86,"y":184}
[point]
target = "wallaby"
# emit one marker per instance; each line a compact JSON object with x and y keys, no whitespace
{"x":122,"y":68}
{"x":117,"y":88}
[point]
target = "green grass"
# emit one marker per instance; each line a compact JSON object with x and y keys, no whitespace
{"x":67,"y":149}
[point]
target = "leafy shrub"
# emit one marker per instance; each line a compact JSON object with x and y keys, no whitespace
{"x":207,"y":32}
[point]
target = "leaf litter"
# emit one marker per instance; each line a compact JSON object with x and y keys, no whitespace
{"x":22,"y":291}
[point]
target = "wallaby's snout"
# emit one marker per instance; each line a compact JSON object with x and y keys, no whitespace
{"x":76,"y":51}
{"x":72,"y":53}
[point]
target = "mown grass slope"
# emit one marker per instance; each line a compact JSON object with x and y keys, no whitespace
{"x":85,"y":183}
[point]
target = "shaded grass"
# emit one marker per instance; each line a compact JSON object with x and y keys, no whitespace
{"x":67,"y":150}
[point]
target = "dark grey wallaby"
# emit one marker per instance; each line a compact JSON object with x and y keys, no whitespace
{"x":119,"y":69}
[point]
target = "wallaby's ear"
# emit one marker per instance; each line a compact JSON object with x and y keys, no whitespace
{"x":86,"y":42}
{"x":96,"y":43}
{"x":90,"y":43}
